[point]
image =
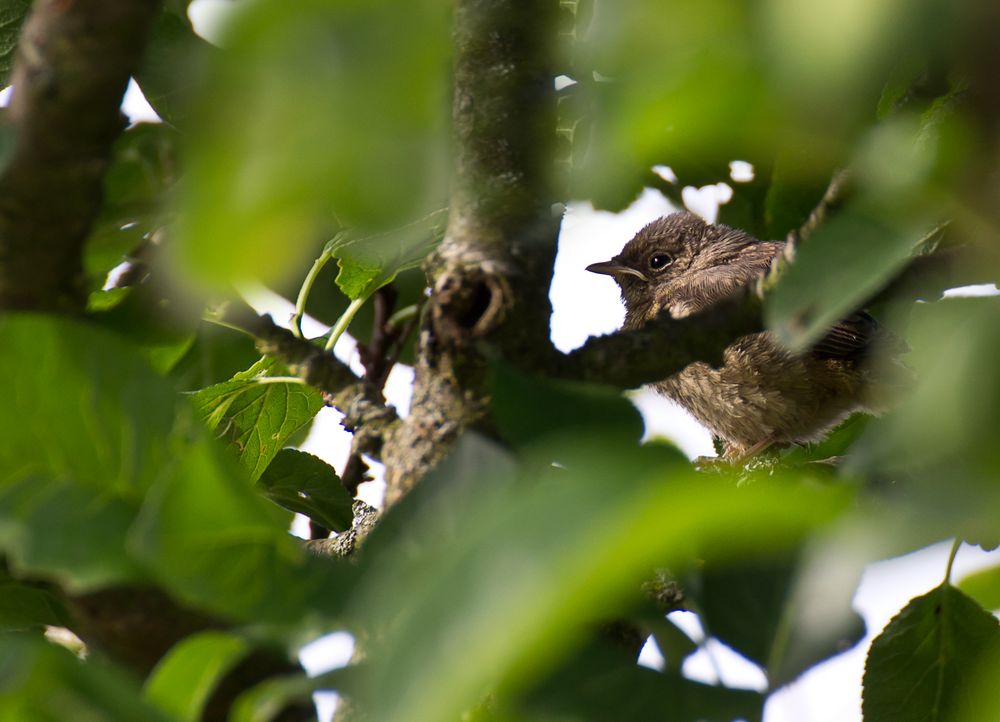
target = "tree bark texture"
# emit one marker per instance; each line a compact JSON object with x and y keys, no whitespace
{"x":490,"y":278}
{"x":73,"y":63}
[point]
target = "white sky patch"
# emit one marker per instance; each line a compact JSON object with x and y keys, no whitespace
{"x":705,"y":201}
{"x":586,"y":304}
{"x":326,"y":654}
{"x":651,"y":656}
{"x":210,"y":16}
{"x":974,"y":291}
{"x":666,"y":173}
{"x":135,"y":105}
{"x":563,"y":81}
{"x":741,"y":171}
{"x":831,"y":692}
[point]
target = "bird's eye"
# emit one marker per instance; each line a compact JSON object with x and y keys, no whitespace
{"x":660,"y":260}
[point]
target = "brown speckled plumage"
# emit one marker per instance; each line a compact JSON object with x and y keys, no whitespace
{"x":762,"y":394}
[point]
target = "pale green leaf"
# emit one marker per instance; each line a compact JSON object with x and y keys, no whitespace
{"x":183,"y":679}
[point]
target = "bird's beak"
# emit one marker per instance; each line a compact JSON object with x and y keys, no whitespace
{"x":612,"y":268}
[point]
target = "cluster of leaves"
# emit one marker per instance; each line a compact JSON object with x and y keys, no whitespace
{"x":482,"y":593}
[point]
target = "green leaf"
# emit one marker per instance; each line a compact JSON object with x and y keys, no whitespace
{"x":172,"y":67}
{"x":12,"y":15}
{"x":255,"y":418}
{"x":143,"y":170}
{"x":303,"y":483}
{"x":222,"y":547}
{"x":513,"y":571}
{"x":918,"y":667}
{"x":150,"y":322}
{"x":529,"y":410}
{"x":984,"y":587}
{"x":318,"y":115}
{"x":216,"y":355}
{"x":28,"y":606}
{"x":367,"y":264}
{"x":845,"y":262}
{"x":42,"y":682}
{"x":603,"y":684}
{"x":182,"y":681}
{"x":765,"y":609}
{"x":87,"y":426}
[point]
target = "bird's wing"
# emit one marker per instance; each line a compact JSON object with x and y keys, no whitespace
{"x":856,"y":336}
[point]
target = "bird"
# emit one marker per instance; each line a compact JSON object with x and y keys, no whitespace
{"x":763,"y":395}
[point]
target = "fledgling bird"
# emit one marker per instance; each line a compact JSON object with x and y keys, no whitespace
{"x":762,"y":395}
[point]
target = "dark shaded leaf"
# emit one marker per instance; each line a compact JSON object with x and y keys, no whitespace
{"x":217,"y":354}
{"x":603,"y":684}
{"x":171,"y":70}
{"x":143,"y":170}
{"x":529,"y":410}
{"x":28,"y":606}
{"x":41,"y":682}
{"x":918,"y":666}
{"x":306,"y":484}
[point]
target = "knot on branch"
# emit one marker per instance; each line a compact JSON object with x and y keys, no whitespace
{"x":468,"y":303}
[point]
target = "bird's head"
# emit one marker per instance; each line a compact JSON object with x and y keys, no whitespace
{"x":658,"y":254}
{"x":680,"y":259}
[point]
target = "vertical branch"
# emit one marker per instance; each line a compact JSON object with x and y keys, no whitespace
{"x":73,"y":63}
{"x":490,"y":278}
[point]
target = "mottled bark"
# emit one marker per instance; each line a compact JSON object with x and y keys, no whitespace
{"x":73,"y":63}
{"x":490,"y":278}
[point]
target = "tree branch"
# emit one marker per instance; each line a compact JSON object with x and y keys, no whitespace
{"x":73,"y":63}
{"x":365,"y":412}
{"x":491,"y":274}
{"x":663,"y":346}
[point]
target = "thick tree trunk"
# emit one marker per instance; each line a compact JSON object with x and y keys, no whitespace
{"x":490,"y":278}
{"x":73,"y":63}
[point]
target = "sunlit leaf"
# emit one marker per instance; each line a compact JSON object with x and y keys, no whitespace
{"x":917,"y":667}
{"x":316,"y":111}
{"x":256,"y":418}
{"x":183,"y":680}
{"x":12,"y":15}
{"x":984,"y":587}
{"x":367,"y":264}
{"x":303,"y":483}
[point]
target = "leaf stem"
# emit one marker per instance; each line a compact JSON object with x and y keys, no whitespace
{"x":951,"y":559}
{"x":305,"y":289}
{"x":403,"y":314}
{"x":344,"y":321}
